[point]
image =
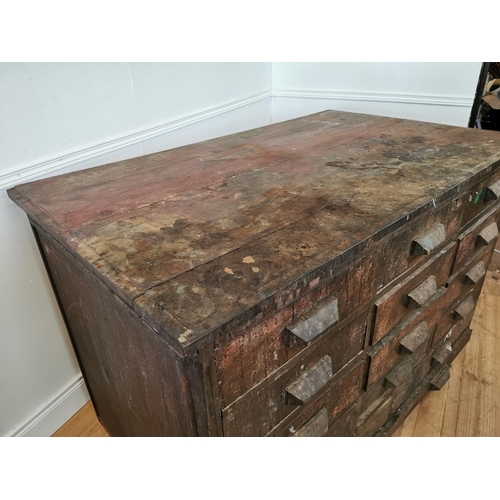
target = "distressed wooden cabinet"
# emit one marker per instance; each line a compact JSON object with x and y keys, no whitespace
{"x":313,"y":277}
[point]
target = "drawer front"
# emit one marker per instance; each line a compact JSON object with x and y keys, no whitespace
{"x":470,"y":274}
{"x":481,"y":197}
{"x":481,"y":234}
{"x":338,"y":404}
{"x":316,"y":426}
{"x":459,"y":315}
{"x":414,"y":292}
{"x":415,"y":376}
{"x":376,"y":415}
{"x":303,"y":389}
{"x":417,"y":241}
{"x":317,"y":317}
{"x":442,"y":353}
{"x":411,"y":338}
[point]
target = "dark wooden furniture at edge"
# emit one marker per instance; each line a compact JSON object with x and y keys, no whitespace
{"x":310,"y":278}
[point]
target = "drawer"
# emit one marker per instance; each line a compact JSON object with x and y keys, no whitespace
{"x":482,"y":233}
{"x":417,"y":241}
{"x":302,"y":389}
{"x":481,"y":197}
{"x":414,"y":292}
{"x":459,"y":315}
{"x":471,"y":273}
{"x":448,"y":347}
{"x":376,"y":415}
{"x":321,"y":315}
{"x":411,"y":338}
{"x":412,"y":375}
{"x":339,"y":421}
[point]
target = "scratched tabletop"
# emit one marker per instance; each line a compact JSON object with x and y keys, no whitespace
{"x":197,"y":235}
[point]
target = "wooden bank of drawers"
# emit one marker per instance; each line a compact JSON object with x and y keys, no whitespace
{"x":310,"y":278}
{"x":324,"y":379}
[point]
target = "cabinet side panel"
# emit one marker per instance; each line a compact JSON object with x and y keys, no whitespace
{"x":137,"y":382}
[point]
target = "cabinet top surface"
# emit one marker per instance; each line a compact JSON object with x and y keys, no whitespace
{"x":199,"y":234}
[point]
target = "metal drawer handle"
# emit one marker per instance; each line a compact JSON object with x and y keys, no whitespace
{"x":493,"y":191}
{"x":440,"y":379}
{"x":488,"y":234}
{"x":310,"y":382}
{"x":475,"y":274}
{"x":316,"y":426}
{"x":399,"y":374}
{"x":430,"y":241}
{"x":420,"y":295}
{"x":416,"y":338}
{"x":305,"y":332}
{"x":464,"y":308}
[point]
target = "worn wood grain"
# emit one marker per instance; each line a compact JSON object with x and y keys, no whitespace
{"x":468,"y":405}
{"x":179,"y":224}
{"x":231,"y":287}
{"x":436,"y":415}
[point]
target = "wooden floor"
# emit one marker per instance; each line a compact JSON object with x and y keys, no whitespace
{"x":468,"y":405}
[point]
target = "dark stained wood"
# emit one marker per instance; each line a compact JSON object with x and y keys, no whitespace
{"x":147,"y":397}
{"x":375,"y":416}
{"x":451,"y":319}
{"x":262,"y":408}
{"x":437,"y":383}
{"x":387,"y":353}
{"x":180,"y":224}
{"x":242,"y":363}
{"x":392,"y":307}
{"x":313,"y":277}
{"x":316,"y":426}
{"x":470,"y":242}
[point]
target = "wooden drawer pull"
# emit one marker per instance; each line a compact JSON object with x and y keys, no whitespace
{"x":417,"y":337}
{"x":441,"y":354}
{"x":440,"y":379}
{"x":420,"y":295}
{"x":305,"y":332}
{"x":427,"y":243}
{"x":316,"y":426}
{"x":399,"y":374}
{"x":493,"y":191}
{"x":487,"y":235}
{"x":464,"y":308}
{"x":310,"y":382}
{"x":475,"y":274}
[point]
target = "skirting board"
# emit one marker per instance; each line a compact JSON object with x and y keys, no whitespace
{"x":53,"y":414}
{"x":343,"y":95}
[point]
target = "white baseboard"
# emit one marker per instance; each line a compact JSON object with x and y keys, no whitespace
{"x":342,"y":95}
{"x":55,"y":412}
{"x":31,"y":171}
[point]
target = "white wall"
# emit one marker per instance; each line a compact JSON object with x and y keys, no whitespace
{"x":56,"y":118}
{"x":433,"y":92}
